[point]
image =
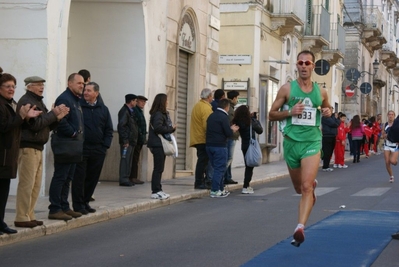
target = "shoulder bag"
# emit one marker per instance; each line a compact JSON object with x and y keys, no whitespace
{"x":67,"y":149}
{"x":253,"y":156}
{"x":168,"y":146}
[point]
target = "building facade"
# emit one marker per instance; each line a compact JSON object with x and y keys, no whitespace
{"x":129,"y":46}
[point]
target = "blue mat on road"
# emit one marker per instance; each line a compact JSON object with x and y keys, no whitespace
{"x":346,"y":238}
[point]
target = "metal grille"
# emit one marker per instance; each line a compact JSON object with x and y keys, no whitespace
{"x":181,"y":131}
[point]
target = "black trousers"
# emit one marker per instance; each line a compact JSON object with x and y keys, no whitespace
{"x":4,"y":191}
{"x":202,"y":164}
{"x":159,"y":165}
{"x":86,"y":178}
{"x":248,"y":170}
{"x":135,"y":162}
{"x":328,"y":144}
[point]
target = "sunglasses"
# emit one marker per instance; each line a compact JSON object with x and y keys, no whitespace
{"x":301,"y":62}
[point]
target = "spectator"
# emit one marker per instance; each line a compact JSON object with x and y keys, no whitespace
{"x":231,"y":143}
{"x":10,"y":132}
{"x":329,"y":126}
{"x":35,"y":135}
{"x":128,"y":133}
{"x":340,"y":142}
{"x":219,"y":94}
{"x":357,"y":130}
{"x":98,"y":137}
{"x":199,"y":115}
{"x":160,"y":123}
{"x":141,"y":140}
{"x":71,"y":127}
{"x":243,"y":119}
{"x":218,"y":130}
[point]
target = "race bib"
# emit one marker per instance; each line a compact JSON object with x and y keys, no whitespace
{"x":307,"y":118}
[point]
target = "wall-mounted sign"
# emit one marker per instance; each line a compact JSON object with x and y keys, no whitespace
{"x":235,"y":86}
{"x":187,"y":34}
{"x":214,"y":22}
{"x":235,"y":59}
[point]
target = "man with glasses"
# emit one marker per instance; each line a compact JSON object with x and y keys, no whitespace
{"x":298,"y":106}
{"x":35,"y":135}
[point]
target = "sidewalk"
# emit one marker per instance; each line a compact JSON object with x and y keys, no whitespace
{"x":113,"y":201}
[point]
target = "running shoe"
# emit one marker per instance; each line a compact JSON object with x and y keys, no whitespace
{"x":328,"y":170}
{"x":160,"y":195}
{"x":219,"y":194}
{"x":248,"y":190}
{"x":342,"y":166}
{"x":335,"y":166}
{"x":299,"y":237}
{"x":391,"y":179}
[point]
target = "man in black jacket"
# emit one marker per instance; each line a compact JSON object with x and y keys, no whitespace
{"x":98,"y":137}
{"x":128,"y":134}
{"x":218,"y":130}
{"x":35,"y":135}
{"x":141,"y":140}
{"x":329,"y":127}
{"x":71,"y":127}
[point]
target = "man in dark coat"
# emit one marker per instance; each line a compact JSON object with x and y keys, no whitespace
{"x":128,"y":134}
{"x":35,"y":135}
{"x":98,"y":137}
{"x":329,"y":126}
{"x":71,"y":127}
{"x":218,"y":130}
{"x":141,"y":140}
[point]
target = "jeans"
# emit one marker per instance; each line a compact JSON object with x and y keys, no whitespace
{"x":86,"y":178}
{"x":59,"y":186}
{"x":202,"y":164}
{"x":356,"y":148}
{"x":217,"y":158}
{"x":231,"y":143}
{"x":125,"y":165}
{"x":159,"y":165}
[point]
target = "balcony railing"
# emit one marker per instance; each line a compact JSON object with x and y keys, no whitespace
{"x":288,"y":7}
{"x":320,"y":22}
{"x":373,"y":18}
{"x":337,"y":37}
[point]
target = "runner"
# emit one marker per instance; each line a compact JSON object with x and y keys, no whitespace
{"x":391,"y":150}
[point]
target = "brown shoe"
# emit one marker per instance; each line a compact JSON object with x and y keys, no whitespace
{"x":28,"y":224}
{"x":136,"y":181}
{"x":39,"y":223}
{"x":59,"y":216}
{"x":72,"y":213}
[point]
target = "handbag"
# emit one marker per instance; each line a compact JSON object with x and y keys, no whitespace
{"x":253,"y":156}
{"x":169,"y":148}
{"x":67,"y":149}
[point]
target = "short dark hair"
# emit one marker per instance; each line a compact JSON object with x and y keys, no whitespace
{"x":306,"y":52}
{"x":96,"y":87}
{"x":72,"y":77}
{"x":223,"y":103}
{"x":85,"y":74}
{"x":219,"y":93}
{"x":342,"y":115}
{"x":232,"y":94}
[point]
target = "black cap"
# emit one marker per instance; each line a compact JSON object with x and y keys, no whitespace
{"x":130,"y":97}
{"x":142,"y":97}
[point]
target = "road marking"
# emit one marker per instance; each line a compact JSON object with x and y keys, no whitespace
{"x":372,"y":192}
{"x":322,"y":190}
{"x":270,"y":190}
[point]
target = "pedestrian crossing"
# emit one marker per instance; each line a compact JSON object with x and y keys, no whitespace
{"x":320,"y":191}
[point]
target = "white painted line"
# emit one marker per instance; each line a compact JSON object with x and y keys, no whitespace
{"x":372,"y":192}
{"x":269,"y":190}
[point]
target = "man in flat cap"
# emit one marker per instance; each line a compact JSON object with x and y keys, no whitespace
{"x":141,"y":140}
{"x":34,"y":135}
{"x":128,"y":133}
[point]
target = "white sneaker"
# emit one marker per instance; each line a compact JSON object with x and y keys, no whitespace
{"x":342,"y":166}
{"x":248,"y":190}
{"x":335,"y":166}
{"x":219,"y":194}
{"x":391,"y":179}
{"x":160,"y":195}
{"x":328,"y":170}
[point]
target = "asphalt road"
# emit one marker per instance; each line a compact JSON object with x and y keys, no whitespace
{"x":213,"y":232}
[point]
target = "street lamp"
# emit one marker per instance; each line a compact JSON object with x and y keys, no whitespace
{"x":376,"y":65}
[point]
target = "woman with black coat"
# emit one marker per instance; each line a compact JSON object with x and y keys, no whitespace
{"x":244,"y":119}
{"x":160,"y":123}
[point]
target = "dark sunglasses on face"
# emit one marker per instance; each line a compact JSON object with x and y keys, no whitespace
{"x":307,"y":62}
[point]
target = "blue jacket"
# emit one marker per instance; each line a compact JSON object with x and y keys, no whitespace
{"x":329,"y":126}
{"x":218,"y":129}
{"x":72,"y":124}
{"x":98,"y":127}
